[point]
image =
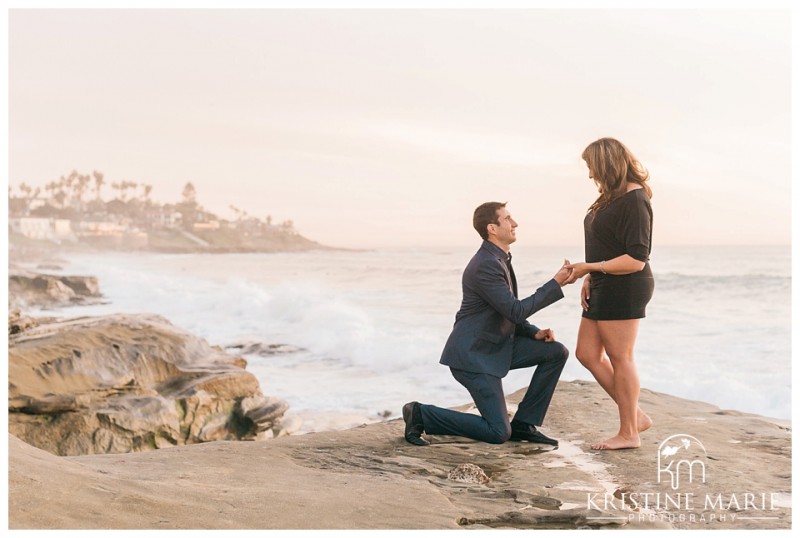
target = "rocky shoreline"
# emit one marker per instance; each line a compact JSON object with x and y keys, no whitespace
{"x":370,"y":478}
{"x":46,"y":291}
{"x":123,"y":383}
{"x":127,"y":422}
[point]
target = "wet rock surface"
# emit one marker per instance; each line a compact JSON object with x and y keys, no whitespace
{"x":369,"y":477}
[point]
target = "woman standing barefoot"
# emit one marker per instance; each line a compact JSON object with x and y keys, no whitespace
{"x":618,"y":283}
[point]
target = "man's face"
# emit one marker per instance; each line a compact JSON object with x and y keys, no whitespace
{"x":504,"y":231}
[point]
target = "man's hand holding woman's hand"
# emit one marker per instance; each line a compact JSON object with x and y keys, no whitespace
{"x":578,"y":270}
{"x":564,"y":274}
{"x":570,"y":273}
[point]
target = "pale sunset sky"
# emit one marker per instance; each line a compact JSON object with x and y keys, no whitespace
{"x":387,"y":127}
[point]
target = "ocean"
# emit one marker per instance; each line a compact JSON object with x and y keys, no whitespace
{"x":361,"y":332}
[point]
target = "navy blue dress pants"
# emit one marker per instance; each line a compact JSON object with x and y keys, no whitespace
{"x":493,"y":426}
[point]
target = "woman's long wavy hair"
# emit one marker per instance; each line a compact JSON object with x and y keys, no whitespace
{"x":613,"y":166}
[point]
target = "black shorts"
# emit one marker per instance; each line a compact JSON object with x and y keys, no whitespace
{"x":614,"y":297}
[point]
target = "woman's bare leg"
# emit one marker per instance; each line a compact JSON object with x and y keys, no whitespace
{"x":590,"y":353}
{"x":619,"y":338}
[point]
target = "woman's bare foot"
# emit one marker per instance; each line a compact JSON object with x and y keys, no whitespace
{"x":643,"y":421}
{"x":618,"y":442}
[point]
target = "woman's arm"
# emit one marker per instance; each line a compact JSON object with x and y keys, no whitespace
{"x":621,"y":265}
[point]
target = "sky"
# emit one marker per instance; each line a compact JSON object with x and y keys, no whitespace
{"x":386,"y":128}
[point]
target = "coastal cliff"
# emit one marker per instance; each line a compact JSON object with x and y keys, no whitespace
{"x":370,"y":478}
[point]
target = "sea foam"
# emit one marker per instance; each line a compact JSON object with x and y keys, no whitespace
{"x":369,"y":327}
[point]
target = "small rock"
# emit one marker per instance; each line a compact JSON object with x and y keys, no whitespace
{"x":468,"y":473}
{"x":17,"y":322}
{"x":262,"y":349}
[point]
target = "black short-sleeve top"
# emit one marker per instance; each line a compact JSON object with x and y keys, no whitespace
{"x":625,"y":226}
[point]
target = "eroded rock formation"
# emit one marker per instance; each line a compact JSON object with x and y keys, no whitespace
{"x":127,"y":383}
{"x":27,"y":289}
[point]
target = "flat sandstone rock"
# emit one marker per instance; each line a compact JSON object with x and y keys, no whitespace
{"x":370,"y":478}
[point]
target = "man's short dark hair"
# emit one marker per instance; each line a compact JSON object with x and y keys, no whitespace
{"x":486,"y":214}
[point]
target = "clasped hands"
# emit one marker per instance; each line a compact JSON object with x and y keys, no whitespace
{"x":569,"y":273}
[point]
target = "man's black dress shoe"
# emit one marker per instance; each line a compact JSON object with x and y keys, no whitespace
{"x":520,"y":431}
{"x":414,"y":427}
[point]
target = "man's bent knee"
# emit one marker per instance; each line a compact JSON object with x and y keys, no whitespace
{"x":561,"y":353}
{"x":498,"y":436}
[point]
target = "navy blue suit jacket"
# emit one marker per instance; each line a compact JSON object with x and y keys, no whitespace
{"x":491,"y":316}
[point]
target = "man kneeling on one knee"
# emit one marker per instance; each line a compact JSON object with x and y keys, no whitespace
{"x":491,"y":336}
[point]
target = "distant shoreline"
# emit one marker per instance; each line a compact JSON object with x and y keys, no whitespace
{"x":20,"y":246}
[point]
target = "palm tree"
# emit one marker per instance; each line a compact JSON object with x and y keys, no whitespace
{"x":71,"y":183}
{"x":146,"y":190}
{"x":98,"y":182}
{"x":51,"y":189}
{"x":80,"y":187}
